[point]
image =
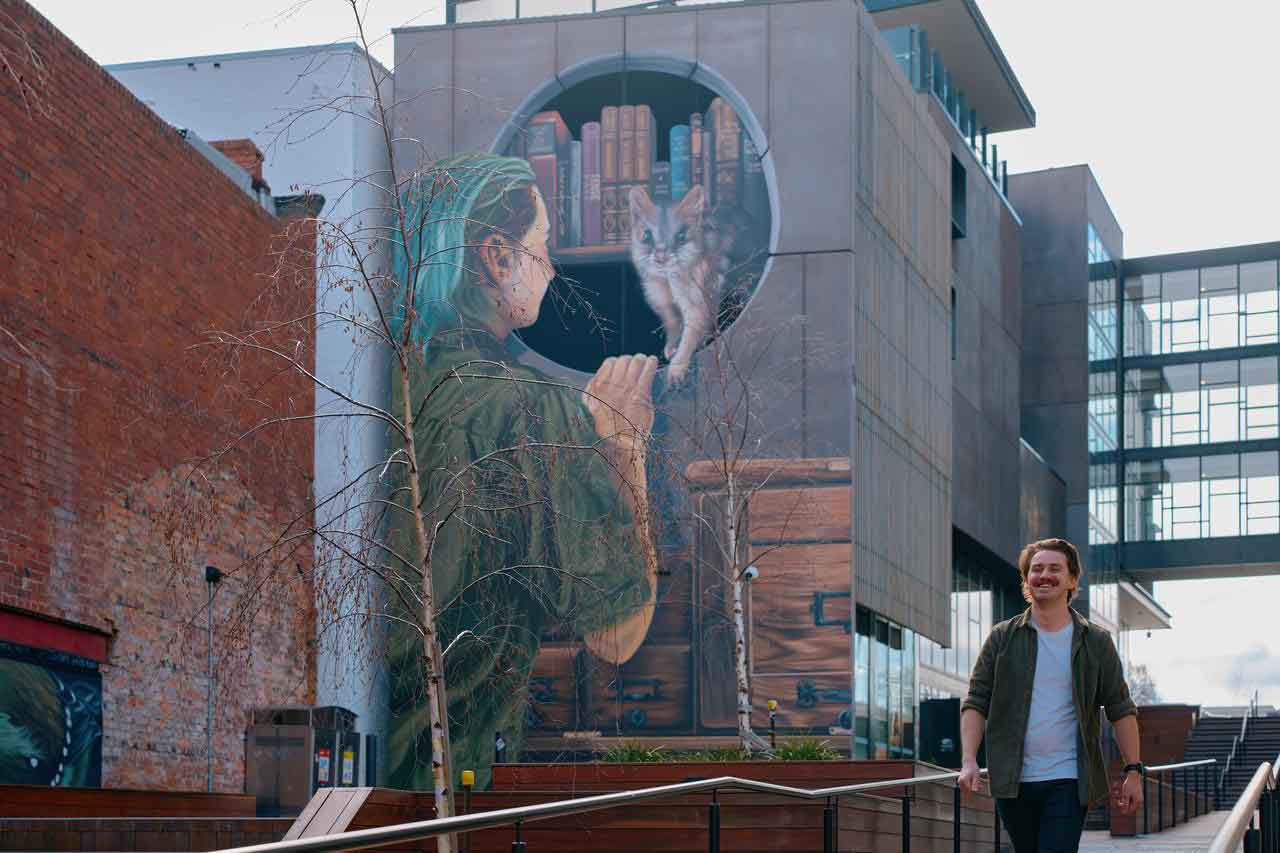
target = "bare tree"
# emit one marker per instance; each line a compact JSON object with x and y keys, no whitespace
{"x":391,"y":538}
{"x":1142,"y":687}
{"x":734,"y":441}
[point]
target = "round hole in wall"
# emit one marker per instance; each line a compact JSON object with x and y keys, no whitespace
{"x":657,"y":186}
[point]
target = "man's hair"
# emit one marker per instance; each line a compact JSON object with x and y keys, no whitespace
{"x":1062,"y":546}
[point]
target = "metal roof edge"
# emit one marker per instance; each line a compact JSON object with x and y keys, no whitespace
{"x":335,"y":47}
{"x":1003,"y":61}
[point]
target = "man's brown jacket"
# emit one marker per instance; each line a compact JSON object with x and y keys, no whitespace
{"x":1000,"y":690}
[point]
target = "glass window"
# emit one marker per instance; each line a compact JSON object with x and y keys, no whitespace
{"x":1202,"y":403}
{"x":469,"y":11}
{"x":1201,"y":497}
{"x":908,"y":693}
{"x":880,"y":718}
{"x":895,"y":691}
{"x":1196,"y":309}
{"x":862,"y":664}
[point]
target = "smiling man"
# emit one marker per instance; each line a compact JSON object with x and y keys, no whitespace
{"x":1035,"y":692}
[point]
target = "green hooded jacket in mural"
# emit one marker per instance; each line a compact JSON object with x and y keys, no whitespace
{"x":539,"y":540}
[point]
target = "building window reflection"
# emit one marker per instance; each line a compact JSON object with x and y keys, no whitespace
{"x":884,"y":689}
{"x":1202,"y":403}
{"x":1234,"y":494}
{"x":1200,"y":309}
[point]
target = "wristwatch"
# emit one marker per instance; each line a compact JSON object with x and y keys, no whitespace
{"x":1138,"y":766}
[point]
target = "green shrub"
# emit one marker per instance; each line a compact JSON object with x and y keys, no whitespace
{"x":717,"y":755}
{"x":805,"y":749}
{"x":631,"y":752}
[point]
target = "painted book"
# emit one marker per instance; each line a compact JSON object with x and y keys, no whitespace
{"x":681,"y":166}
{"x":660,"y":185}
{"x":755,"y":190}
{"x":591,"y":197}
{"x":547,"y":150}
{"x":728,"y":153}
{"x":609,"y":174}
{"x":708,"y":170}
{"x":626,"y":171}
{"x":575,"y":193}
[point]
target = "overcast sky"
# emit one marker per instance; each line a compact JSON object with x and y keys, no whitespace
{"x":1171,"y":104}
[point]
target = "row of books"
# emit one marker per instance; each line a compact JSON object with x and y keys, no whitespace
{"x":587,"y":182}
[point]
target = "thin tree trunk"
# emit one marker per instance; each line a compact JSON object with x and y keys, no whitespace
{"x":437,"y":701}
{"x":745,"y":735}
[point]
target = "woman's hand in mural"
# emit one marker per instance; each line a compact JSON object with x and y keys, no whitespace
{"x":620,"y":397}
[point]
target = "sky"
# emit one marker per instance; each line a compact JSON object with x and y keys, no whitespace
{"x":1170,"y":103}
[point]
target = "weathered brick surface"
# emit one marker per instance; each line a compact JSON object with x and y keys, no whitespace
{"x":120,"y":247}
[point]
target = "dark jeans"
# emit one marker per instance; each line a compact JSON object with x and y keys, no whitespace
{"x":1045,"y":817}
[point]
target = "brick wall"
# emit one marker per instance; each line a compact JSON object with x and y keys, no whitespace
{"x":120,"y":247}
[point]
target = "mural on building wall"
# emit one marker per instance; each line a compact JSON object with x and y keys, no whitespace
{"x":50,"y":718}
{"x":614,"y":241}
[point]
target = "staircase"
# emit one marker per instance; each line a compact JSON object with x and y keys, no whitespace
{"x":1261,"y":743}
{"x":1212,"y":738}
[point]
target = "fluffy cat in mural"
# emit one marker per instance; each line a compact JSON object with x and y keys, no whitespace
{"x":683,"y":255}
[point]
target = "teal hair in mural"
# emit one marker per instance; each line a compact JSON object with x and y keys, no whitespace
{"x":537,"y":508}
{"x":450,"y":208}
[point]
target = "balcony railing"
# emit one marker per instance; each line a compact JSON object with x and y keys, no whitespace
{"x":927,"y":73}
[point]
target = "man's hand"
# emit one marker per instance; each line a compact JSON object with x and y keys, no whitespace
{"x":620,"y":397}
{"x":1131,"y":792}
{"x":970,"y":777}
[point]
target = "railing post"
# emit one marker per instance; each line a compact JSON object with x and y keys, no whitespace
{"x":1195,"y":799}
{"x":955,"y":819}
{"x":906,"y":823}
{"x":468,"y":782}
{"x":1146,"y":805}
{"x":829,"y":828}
{"x":1160,"y":802}
{"x":1173,"y":801}
{"x":1186,"y":801}
{"x":713,"y":825}
{"x":518,"y":846}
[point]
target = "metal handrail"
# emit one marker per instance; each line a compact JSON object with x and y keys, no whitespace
{"x":418,"y":830}
{"x":1183,"y":765}
{"x":1237,"y":823}
{"x":1236,"y":743}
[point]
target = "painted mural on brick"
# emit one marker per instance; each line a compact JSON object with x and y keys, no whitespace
{"x":583,"y":545}
{"x":50,"y":718}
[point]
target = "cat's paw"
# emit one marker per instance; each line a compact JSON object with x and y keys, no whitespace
{"x":676,"y":373}
{"x":669,"y":350}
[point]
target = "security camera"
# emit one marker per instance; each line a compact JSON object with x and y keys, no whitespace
{"x":750,"y":573}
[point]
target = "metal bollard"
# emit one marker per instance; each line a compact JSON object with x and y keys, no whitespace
{"x":518,"y":846}
{"x":829,"y":828}
{"x":995,"y":824}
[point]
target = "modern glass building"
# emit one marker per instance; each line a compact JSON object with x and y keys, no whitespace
{"x":1196,"y":389}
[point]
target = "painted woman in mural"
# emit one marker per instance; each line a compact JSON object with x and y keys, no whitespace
{"x":540,"y":487}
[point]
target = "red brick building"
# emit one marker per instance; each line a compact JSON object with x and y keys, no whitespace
{"x":121,"y":246}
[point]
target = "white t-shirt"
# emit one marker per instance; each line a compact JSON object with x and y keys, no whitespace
{"x":1049,"y":751}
